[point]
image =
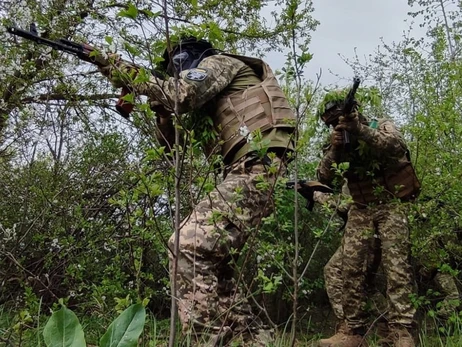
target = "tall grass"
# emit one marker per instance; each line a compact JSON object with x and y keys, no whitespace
{"x":19,"y":330}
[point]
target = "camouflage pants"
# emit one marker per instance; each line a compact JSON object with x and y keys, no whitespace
{"x":449,"y":299}
{"x":333,"y":276}
{"x":387,"y":222}
{"x":334,"y":282}
{"x":211,"y":306}
{"x":450,"y":293}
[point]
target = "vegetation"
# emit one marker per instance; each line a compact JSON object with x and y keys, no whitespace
{"x":89,"y":199}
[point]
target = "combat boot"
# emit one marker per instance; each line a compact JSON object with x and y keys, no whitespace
{"x":344,"y":337}
{"x":399,"y":336}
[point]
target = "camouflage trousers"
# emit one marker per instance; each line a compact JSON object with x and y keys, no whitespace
{"x":333,"y":277}
{"x":389,"y":224}
{"x":449,"y":299}
{"x":212,"y":307}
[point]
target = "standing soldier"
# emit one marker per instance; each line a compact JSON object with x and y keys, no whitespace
{"x":333,"y":277}
{"x":380,"y":178}
{"x":240,"y":95}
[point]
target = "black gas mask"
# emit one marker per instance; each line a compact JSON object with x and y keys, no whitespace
{"x":186,"y":59}
{"x":187,"y":55}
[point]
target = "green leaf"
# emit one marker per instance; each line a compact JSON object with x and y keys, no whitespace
{"x":125,"y":329}
{"x":109,"y":39}
{"x":129,"y":97}
{"x":131,"y":49}
{"x":305,"y":57}
{"x":151,"y":14}
{"x":142,"y":76}
{"x":130,"y":12}
{"x":63,"y":329}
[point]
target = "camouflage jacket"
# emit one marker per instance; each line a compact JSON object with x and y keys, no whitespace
{"x":378,"y":159}
{"x":197,"y":91}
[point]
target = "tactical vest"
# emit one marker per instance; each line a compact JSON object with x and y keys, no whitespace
{"x":394,"y":181}
{"x":262,"y":106}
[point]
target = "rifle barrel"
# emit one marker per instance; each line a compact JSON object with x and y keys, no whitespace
{"x":58,"y":45}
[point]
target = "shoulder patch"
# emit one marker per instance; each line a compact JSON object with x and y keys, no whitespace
{"x":197,"y":74}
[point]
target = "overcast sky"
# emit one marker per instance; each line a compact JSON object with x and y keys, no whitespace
{"x":346,"y":25}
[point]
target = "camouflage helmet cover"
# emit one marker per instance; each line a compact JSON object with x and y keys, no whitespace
{"x":332,"y":99}
{"x":368,"y":97}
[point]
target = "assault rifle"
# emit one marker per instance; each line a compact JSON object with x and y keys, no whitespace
{"x":307,"y":189}
{"x":348,"y":106}
{"x":81,"y":50}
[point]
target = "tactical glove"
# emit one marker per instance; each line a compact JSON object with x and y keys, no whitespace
{"x":350,"y":123}
{"x":336,"y":139}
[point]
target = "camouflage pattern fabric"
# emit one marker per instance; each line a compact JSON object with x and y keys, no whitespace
{"x":448,"y":288}
{"x":385,"y":146}
{"x":190,"y":92}
{"x":333,"y":280}
{"x":333,"y":277}
{"x":387,"y":222}
{"x":211,"y":306}
{"x":381,"y":147}
{"x":449,"y":299}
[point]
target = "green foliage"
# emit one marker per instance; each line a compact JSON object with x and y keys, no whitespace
{"x":369,"y":99}
{"x":64,"y":330}
{"x":130,"y":12}
{"x":126,"y":329}
{"x":88,"y":199}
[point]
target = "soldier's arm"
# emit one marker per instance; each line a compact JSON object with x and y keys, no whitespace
{"x":165,"y":130}
{"x":192,"y":90}
{"x":386,"y":139}
{"x":325,"y":172}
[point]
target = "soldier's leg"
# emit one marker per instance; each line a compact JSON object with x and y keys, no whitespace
{"x":334,"y":282}
{"x":209,"y":302}
{"x":356,"y":247}
{"x":393,"y":231}
{"x":374,"y":260}
{"x":449,"y":292}
{"x":375,"y":288}
{"x":345,"y":274}
{"x":334,"y":287}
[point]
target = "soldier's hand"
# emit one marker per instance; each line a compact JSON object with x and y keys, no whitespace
{"x":103,"y":59}
{"x":349,"y":123}
{"x":160,"y":109}
{"x":336,"y":139}
{"x":118,"y":71}
{"x":107,"y":63}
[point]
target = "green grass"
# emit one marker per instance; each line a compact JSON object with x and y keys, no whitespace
{"x":19,"y":329}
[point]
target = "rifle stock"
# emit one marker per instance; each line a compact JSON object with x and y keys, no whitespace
{"x":307,"y":188}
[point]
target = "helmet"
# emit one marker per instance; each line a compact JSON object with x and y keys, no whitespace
{"x":332,"y":99}
{"x":186,"y":54}
{"x":368,"y":97}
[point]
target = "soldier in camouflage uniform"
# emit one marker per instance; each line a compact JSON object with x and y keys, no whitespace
{"x":445,"y":283}
{"x":379,"y":174}
{"x":333,"y":275}
{"x":438,"y":252}
{"x":240,"y":95}
{"x":424,"y":265}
